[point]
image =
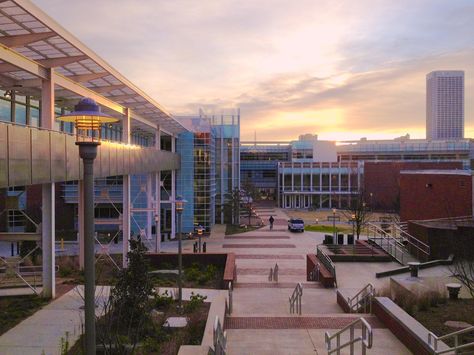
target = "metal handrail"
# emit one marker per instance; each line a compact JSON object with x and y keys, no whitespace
{"x":416,"y":243}
{"x":314,"y":274}
{"x":219,"y":338}
{"x":455,"y":335}
{"x":392,"y":244}
{"x":366,"y":293}
{"x":295,"y":299}
{"x":231,"y":297}
{"x":327,"y":262}
{"x":366,"y":338}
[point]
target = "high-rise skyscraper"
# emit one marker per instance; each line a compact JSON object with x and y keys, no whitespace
{"x":445,"y":104}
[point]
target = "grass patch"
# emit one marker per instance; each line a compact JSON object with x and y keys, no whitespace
{"x":234,"y":229}
{"x":194,"y":276}
{"x":14,"y":309}
{"x":322,"y":228}
{"x":434,"y":317}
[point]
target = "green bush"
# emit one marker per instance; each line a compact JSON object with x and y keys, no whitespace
{"x":192,"y":273}
{"x":163,"y":301}
{"x":195,"y":302}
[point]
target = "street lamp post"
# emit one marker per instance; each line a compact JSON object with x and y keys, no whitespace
{"x":157,"y":236}
{"x":200,"y":230}
{"x":179,"y":210}
{"x":88,"y":120}
{"x":334,"y":225}
{"x":353,"y":224}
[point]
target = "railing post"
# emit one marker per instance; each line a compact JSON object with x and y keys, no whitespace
{"x":364,"y":334}
{"x":230,"y":298}
{"x":351,"y":332}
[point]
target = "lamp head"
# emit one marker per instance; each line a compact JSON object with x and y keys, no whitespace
{"x":88,"y":119}
{"x":180,"y":204}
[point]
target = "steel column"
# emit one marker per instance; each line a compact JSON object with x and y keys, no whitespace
{"x":48,"y":240}
{"x":149,"y":202}
{"x":48,"y":194}
{"x":126,"y":230}
{"x":173,"y":204}
{"x":126,"y":138}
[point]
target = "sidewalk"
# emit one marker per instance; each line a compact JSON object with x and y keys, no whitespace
{"x":42,"y":332}
{"x":261,"y":322}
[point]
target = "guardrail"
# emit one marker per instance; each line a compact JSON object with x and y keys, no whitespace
{"x":387,"y":242}
{"x":219,"y":338}
{"x":314,"y":274}
{"x":433,"y":341}
{"x":295,"y":299}
{"x":327,"y":262}
{"x":231,"y":299}
{"x":420,"y":247}
{"x":365,"y":338}
{"x":362,"y":300}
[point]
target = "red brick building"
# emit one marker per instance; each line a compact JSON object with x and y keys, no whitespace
{"x":382,"y":180}
{"x":430,"y":194}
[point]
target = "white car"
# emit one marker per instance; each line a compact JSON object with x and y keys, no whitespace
{"x":295,"y":224}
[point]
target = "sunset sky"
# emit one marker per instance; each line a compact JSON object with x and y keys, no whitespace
{"x":341,"y":69}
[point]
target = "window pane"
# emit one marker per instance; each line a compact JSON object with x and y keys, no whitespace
{"x":5,"y":110}
{"x":20,"y":114}
{"x":34,"y":117}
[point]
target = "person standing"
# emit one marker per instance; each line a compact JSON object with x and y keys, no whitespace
{"x":271,"y":220}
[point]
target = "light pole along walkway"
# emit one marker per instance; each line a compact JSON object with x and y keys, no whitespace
{"x":261,"y":322}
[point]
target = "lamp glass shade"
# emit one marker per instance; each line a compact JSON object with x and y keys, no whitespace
{"x":179,"y":203}
{"x":88,"y":119}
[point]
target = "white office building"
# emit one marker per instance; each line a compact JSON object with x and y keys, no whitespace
{"x":445,"y":105}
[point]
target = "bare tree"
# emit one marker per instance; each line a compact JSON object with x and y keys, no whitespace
{"x":359,"y":212}
{"x":251,"y":195}
{"x":463,"y":268}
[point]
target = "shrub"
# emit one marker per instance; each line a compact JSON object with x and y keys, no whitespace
{"x":163,"y":301}
{"x":424,"y":302}
{"x":195,"y":302}
{"x":65,"y":271}
{"x":192,"y":273}
{"x":407,"y":301}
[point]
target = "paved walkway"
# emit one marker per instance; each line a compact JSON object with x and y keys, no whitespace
{"x":261,"y":322}
{"x":42,"y":332}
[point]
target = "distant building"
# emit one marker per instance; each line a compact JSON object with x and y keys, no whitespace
{"x":445,"y":105}
{"x":209,"y":168}
{"x":432,"y":194}
{"x":259,"y":160}
{"x":408,"y":150}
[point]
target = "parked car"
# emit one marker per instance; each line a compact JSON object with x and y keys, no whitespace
{"x":295,"y":224}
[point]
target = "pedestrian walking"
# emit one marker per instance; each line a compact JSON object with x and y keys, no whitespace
{"x":271,"y":220}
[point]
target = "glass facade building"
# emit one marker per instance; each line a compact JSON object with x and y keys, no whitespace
{"x":209,"y":168}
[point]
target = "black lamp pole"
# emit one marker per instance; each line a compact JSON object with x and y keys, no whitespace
{"x":88,"y":120}
{"x":88,"y":152}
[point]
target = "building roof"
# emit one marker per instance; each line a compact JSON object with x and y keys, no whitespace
{"x":438,"y":172}
{"x":31,"y":34}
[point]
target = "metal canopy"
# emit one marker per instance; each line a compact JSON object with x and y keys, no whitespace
{"x":28,"y":31}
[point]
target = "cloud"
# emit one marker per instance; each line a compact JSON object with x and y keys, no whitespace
{"x":289,"y":66}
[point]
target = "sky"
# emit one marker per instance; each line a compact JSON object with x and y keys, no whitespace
{"x":339,"y":69}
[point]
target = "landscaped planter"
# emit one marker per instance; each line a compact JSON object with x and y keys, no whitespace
{"x":224,"y":261}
